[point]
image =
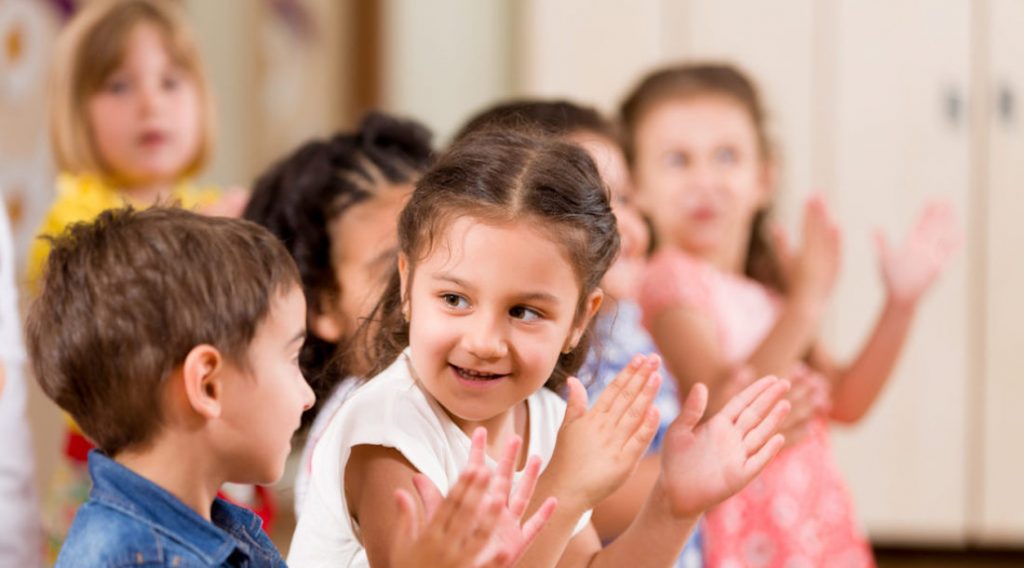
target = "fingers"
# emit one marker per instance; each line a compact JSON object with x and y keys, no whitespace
{"x":527,"y":483}
{"x":408,"y":527}
{"x":736,"y":404}
{"x":611,"y":392}
{"x":756,"y":463}
{"x":632,"y":388}
{"x":536,"y":522}
{"x":576,"y":403}
{"x":634,"y":414}
{"x":638,"y":442}
{"x":759,"y":408}
{"x":463,"y":500}
{"x":501,"y":483}
{"x":763,"y":431}
{"x":429,"y":495}
{"x":477,"y":448}
{"x":694,"y":407}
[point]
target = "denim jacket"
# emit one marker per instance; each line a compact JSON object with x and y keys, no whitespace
{"x":130,"y":521}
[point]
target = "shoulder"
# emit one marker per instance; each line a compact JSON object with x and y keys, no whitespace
{"x":104,"y":536}
{"x":389,"y":410}
{"x":672,"y":279}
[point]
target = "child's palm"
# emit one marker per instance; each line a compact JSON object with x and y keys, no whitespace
{"x":599,"y":448}
{"x":908,"y":271}
{"x":703,"y":465}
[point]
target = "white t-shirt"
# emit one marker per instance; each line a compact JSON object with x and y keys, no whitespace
{"x":339,"y":395}
{"x":393,"y":411}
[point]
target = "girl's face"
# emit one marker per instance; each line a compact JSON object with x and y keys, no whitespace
{"x":700,"y":173}
{"x":623,"y":276}
{"x":491,"y":308}
{"x":145,"y":119}
{"x":363,"y":242}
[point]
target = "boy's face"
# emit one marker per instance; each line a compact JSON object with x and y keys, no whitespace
{"x":262,"y":404}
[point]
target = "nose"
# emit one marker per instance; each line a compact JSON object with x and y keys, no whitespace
{"x":485,"y":338}
{"x":149,"y":97}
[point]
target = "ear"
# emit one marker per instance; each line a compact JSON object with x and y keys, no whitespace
{"x":202,"y":378}
{"x":403,"y":280}
{"x":327,"y":324}
{"x":591,"y":306}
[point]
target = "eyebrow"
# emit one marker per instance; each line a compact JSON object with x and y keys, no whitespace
{"x":527,"y":297}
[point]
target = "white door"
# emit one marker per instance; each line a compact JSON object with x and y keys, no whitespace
{"x":902,"y":136}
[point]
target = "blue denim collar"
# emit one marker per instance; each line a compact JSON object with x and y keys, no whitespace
{"x":232,"y":529}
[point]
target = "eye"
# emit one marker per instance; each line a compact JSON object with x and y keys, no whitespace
{"x":455,"y":301}
{"x":676,"y":159}
{"x":524,"y":313}
{"x":116,"y":86}
{"x":726,"y":156}
{"x":171,"y":82}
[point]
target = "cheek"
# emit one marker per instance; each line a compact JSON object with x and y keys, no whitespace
{"x":105,"y":123}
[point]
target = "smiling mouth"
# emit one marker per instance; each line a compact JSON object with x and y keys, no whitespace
{"x":478,"y":376}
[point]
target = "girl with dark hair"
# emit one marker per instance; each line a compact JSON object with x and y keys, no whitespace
{"x":501,"y":249}
{"x":719,"y":294}
{"x":334,"y":203}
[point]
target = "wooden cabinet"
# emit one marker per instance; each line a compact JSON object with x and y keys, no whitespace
{"x":999,"y":490}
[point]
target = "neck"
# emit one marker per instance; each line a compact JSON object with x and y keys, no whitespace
{"x":729,"y":256}
{"x":194,"y":481}
{"x":148,"y":193}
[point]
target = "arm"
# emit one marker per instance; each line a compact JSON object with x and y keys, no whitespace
{"x":688,"y":338}
{"x":617,"y":511}
{"x":476,"y":525}
{"x":700,"y":467}
{"x":908,"y":272}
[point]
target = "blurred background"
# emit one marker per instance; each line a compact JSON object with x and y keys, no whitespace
{"x":880,"y":104}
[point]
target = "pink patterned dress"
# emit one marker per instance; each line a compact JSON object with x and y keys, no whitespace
{"x":798,"y":512}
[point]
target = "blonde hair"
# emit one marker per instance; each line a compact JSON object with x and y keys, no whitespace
{"x":89,"y":50}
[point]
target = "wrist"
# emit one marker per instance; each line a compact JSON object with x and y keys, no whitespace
{"x":904,"y":307}
{"x":807,"y":305}
{"x":571,"y":501}
{"x":667,"y":509}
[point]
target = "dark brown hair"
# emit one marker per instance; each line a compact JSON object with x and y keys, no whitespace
{"x":299,"y":197}
{"x":126,"y":297}
{"x":506,"y":177}
{"x":715,"y":80}
{"x":559,"y":118}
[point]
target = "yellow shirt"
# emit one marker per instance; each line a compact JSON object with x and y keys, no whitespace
{"x":82,"y":198}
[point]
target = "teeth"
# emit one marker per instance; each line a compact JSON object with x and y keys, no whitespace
{"x":477,"y":374}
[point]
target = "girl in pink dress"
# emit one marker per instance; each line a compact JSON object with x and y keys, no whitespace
{"x":717,"y":295}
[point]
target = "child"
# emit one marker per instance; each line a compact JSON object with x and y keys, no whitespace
{"x":131,"y":120}
{"x":187,"y":380}
{"x":20,"y":527}
{"x":617,"y":331}
{"x":701,"y":159}
{"x":501,"y":249}
{"x":334,"y":204}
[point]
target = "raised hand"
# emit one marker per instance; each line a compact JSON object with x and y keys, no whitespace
{"x":809,"y":396}
{"x":812,"y":270}
{"x":598,"y":449}
{"x":478,"y":524}
{"x":910,"y":269}
{"x":703,"y":465}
